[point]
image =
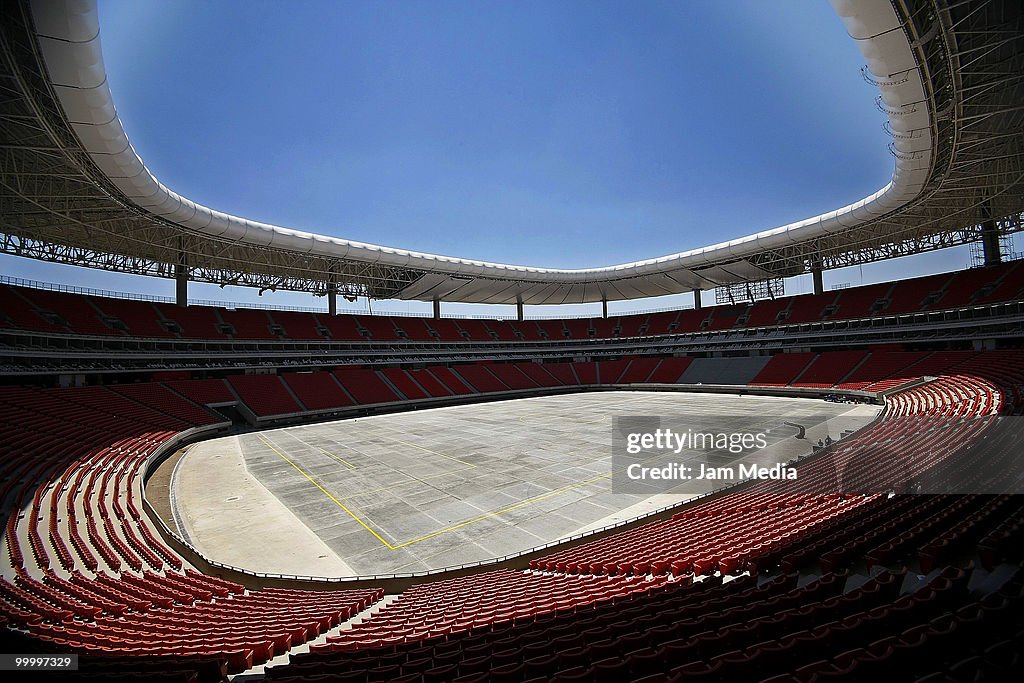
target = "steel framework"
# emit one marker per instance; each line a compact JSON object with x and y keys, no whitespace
{"x":56,"y":205}
{"x":750,"y":291}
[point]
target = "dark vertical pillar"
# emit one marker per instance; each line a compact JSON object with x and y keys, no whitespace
{"x":437,"y":309}
{"x":604,"y":308}
{"x":181,"y":276}
{"x":697,"y":304}
{"x":332,"y":291}
{"x":990,"y":238}
{"x":519,"y":309}
{"x":819,"y":280}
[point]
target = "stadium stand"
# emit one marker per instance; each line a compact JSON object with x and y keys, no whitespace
{"x":726,"y":317}
{"x":639,"y":370}
{"x":688,"y":321}
{"x":487,"y":598}
{"x":18,"y":313}
{"x":669,"y":370}
{"x":553,"y":330}
{"x":527,"y":330}
{"x":317,"y":390}
{"x":405,"y":384}
{"x":766,"y":313}
{"x":204,"y":391}
{"x":78,"y":313}
{"x":909,"y":296}
{"x":165,"y":400}
{"x":829,"y":368}
{"x":1010,"y":286}
{"x":480,"y":378}
{"x":193,"y":322}
{"x":264,"y":394}
{"x":450,"y":380}
{"x":44,"y":310}
{"x":895,"y":555}
{"x":586,"y":372}
{"x":511,"y":376}
{"x":120,"y":591}
{"x":610,"y":371}
{"x":136,"y":318}
{"x":887,"y":365}
{"x":633,"y":325}
{"x":299,"y":326}
{"x":446,"y":330}
{"x":502,"y":330}
{"x":577,"y":328}
{"x":963,"y":288}
{"x":860,"y":302}
{"x":429,"y":382}
{"x":782,"y":369}
{"x":604,"y":327}
{"x":538,"y":373}
{"x":247,"y":323}
{"x":474,"y":330}
{"x":365,"y":385}
{"x":341,"y":327}
{"x":378,"y":328}
{"x":937,"y":363}
{"x":415,"y":329}
{"x":736,"y":370}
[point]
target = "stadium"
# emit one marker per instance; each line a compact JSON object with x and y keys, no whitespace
{"x":801,"y":487}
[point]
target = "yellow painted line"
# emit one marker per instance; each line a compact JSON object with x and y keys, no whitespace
{"x":524,"y":503}
{"x":337,"y":457}
{"x":414,"y":480}
{"x":326,"y":493}
{"x":454,"y":527}
{"x":322,"y":450}
{"x":489,"y":515}
{"x":448,"y":457}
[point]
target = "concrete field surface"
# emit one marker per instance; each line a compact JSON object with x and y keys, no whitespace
{"x":437,"y":488}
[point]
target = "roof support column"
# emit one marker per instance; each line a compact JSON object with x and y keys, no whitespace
{"x":604,"y":308}
{"x":437,"y":309}
{"x":697,"y":304}
{"x":519,"y":309}
{"x":990,"y":237}
{"x":819,"y":281}
{"x":332,"y":291}
{"x":181,"y":276}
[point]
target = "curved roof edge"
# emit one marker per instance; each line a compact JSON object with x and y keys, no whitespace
{"x":67,"y":32}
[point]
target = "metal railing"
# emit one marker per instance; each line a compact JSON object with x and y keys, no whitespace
{"x":151,"y":298}
{"x":235,"y":305}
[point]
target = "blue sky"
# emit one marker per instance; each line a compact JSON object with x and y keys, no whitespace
{"x":560,"y":134}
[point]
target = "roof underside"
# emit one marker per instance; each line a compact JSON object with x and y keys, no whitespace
{"x":950,"y":76}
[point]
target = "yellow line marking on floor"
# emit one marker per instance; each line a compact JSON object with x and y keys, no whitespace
{"x":523,"y":503}
{"x":516,"y":506}
{"x":448,"y":457}
{"x":412,"y":480}
{"x":322,"y":450}
{"x":336,"y":457}
{"x":326,"y":493}
{"x":454,"y":527}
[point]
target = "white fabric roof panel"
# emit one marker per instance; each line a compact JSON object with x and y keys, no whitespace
{"x":68,"y":35}
{"x":427,"y":287}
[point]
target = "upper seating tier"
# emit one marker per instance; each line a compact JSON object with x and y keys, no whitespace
{"x":59,"y":312}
